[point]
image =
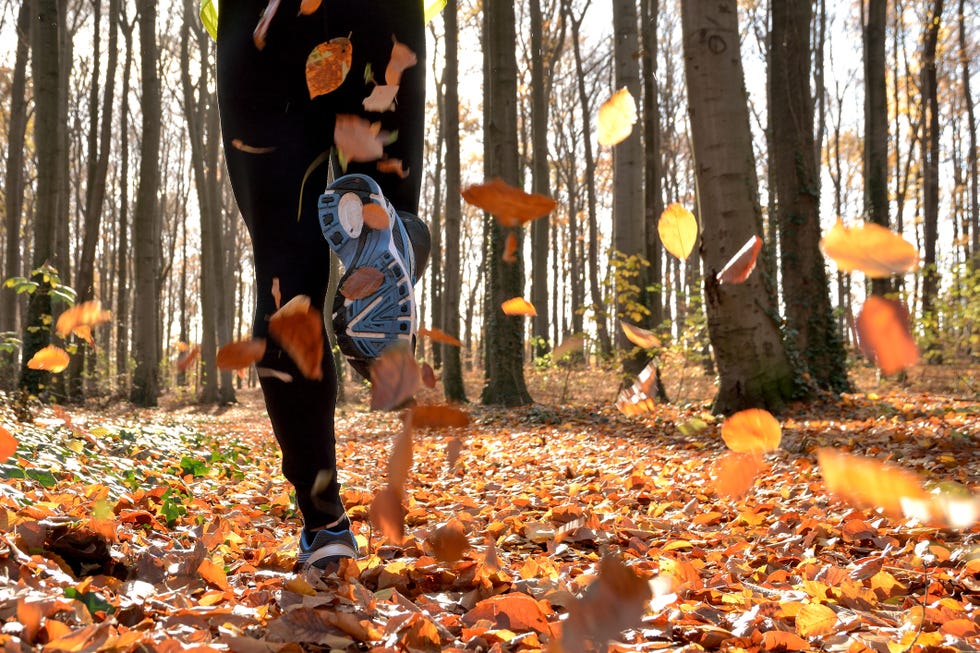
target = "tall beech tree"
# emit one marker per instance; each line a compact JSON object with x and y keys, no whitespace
{"x":930,"y":156}
{"x":795,"y":175}
{"x":754,"y":369}
{"x":875,"y":122}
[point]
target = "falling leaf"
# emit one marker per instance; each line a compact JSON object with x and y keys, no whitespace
{"x":438,"y":417}
{"x":885,"y":335}
{"x":402,"y":58}
{"x":88,"y":313}
{"x":614,"y":602}
{"x":307,"y":7}
{"x":400,"y":458}
{"x":870,"y":248}
{"x":8,"y":444}
{"x":276,"y":294}
{"x":382,"y":99}
{"x":262,"y":29}
{"x":298,"y":328}
{"x":453,"y":448}
{"x":51,"y":358}
{"x":240,"y":354}
{"x":815,"y":619}
{"x":187,"y":359}
{"x":617,"y":115}
{"x":640,"y":337}
{"x":678,"y":229}
{"x":392,"y":166}
{"x":84,"y":332}
{"x":395,"y":377}
{"x":438,"y":335}
{"x":511,"y":206}
{"x":362,"y":282}
{"x":752,"y":431}
{"x":569,"y":347}
{"x":740,"y":266}
{"x":238,"y":144}
{"x":510,"y":248}
{"x":327,"y":66}
{"x":518,"y":306}
{"x":388,"y":515}
{"x":375,"y":216}
{"x":735,"y":473}
{"x":868,"y":482}
{"x":448,"y":542}
{"x":358,"y":139}
{"x":639,"y":398}
{"x":428,"y":376}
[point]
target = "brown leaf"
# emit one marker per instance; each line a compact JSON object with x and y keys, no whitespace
{"x":449,"y":542}
{"x":752,"y":431}
{"x":304,"y":624}
{"x":510,"y":248}
{"x":395,"y":377}
{"x":262,"y":29}
{"x":614,"y":602}
{"x":8,"y":444}
{"x":438,"y":417}
{"x":240,"y":354}
{"x":327,"y":66}
{"x":358,"y":139}
{"x":428,"y":376}
{"x":87,"y":313}
{"x":740,"y":266}
{"x":568,"y":347}
{"x":51,"y":358}
{"x":298,"y":328}
{"x":639,"y":336}
{"x":400,"y":459}
{"x":392,"y":166}
{"x":276,"y":293}
{"x":438,"y":335}
{"x":511,"y":206}
{"x":885,"y":335}
{"x":184,"y":362}
{"x":518,"y":306}
{"x":239,"y":144}
{"x":362,"y":282}
{"x":453,"y":448}
{"x":388,"y":515}
{"x":402,"y":58}
{"x":382,"y":99}
{"x":869,"y":483}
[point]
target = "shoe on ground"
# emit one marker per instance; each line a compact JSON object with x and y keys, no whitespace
{"x":367,"y":326}
{"x":325,"y":548}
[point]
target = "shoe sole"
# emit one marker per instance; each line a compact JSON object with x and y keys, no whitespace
{"x":367,"y":326}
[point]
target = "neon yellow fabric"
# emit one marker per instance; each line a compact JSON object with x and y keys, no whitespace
{"x":209,"y":14}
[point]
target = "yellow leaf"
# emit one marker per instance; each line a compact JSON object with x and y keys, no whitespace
{"x":640,"y":337}
{"x":815,"y":619}
{"x":617,"y":115}
{"x":870,"y":248}
{"x":518,"y":306}
{"x":678,"y":229}
{"x":870,"y":483}
{"x":51,"y":358}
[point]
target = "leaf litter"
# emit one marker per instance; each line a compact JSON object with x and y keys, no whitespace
{"x":167,"y":529}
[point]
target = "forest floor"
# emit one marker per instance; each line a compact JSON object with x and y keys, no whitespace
{"x":171,"y":529}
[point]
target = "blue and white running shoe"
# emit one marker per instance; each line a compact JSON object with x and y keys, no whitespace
{"x":367,"y":326}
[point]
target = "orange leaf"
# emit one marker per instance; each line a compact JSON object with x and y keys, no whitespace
{"x":511,"y":206}
{"x":239,"y":144}
{"x":678,"y":229}
{"x":740,"y":266}
{"x":392,"y":166}
{"x":400,"y":459}
{"x":185,"y":361}
{"x":510,"y":248}
{"x":87,"y":313}
{"x":438,"y":335}
{"x":438,"y":417}
{"x":29,"y":614}
{"x":735,"y":473}
{"x":388,"y":515}
{"x":8,"y":444}
{"x":362,"y":282}
{"x":640,"y":337}
{"x":276,"y":294}
{"x":327,"y":66}
{"x":358,"y":139}
{"x":213,"y":573}
{"x":51,"y":358}
{"x":752,"y":431}
{"x":515,"y":610}
{"x":518,"y":306}
{"x":395,"y":377}
{"x":258,"y":36}
{"x":375,"y":216}
{"x":382,"y":99}
{"x":453,"y":448}
{"x":298,"y":328}
{"x":617,"y":115}
{"x":307,"y":7}
{"x":870,"y":248}
{"x":428,"y":376}
{"x":639,"y":398}
{"x":779,"y":640}
{"x":885,"y":336}
{"x":870,"y":483}
{"x":614,"y":602}
{"x":402,"y":58}
{"x":815,"y":619}
{"x":448,"y":542}
{"x":241,"y":354}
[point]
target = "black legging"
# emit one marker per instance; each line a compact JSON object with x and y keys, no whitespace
{"x":265,"y":107}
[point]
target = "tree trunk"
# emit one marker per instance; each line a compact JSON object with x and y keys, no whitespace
{"x":504,"y":333}
{"x":653,"y":203}
{"x":123,"y":318}
{"x":540,"y":180}
{"x":876,"y":124}
{"x":146,"y":220}
{"x":806,"y":291}
{"x":10,"y":305}
{"x":47,"y":69}
{"x":437,"y":258}
{"x":930,"y":159}
{"x":452,"y":369}
{"x":753,"y":367}
{"x":971,"y":157}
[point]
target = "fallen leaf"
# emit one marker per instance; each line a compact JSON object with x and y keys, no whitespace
{"x":402,"y":58}
{"x":869,"y":483}
{"x":358,"y":139}
{"x":88,"y":313}
{"x":395,"y":377}
{"x":298,"y":328}
{"x":8,"y":444}
{"x":639,"y":336}
{"x":448,"y":542}
{"x":514,"y":611}
{"x":213,"y":573}
{"x":511,"y":206}
{"x":518,"y":306}
{"x":438,"y":335}
{"x":428,"y":376}
{"x":678,"y":229}
{"x":871,"y":248}
{"x":262,"y":28}
{"x":510,"y":248}
{"x":184,"y":362}
{"x":779,"y":640}
{"x":815,"y":619}
{"x":240,"y":354}
{"x":51,"y":358}
{"x":617,"y":115}
{"x":362,"y":282}
{"x":438,"y":417}
{"x":752,"y":431}
{"x":327,"y":66}
{"x":885,"y":336}
{"x":735,"y":473}
{"x":740,"y":266}
{"x":240,"y":145}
